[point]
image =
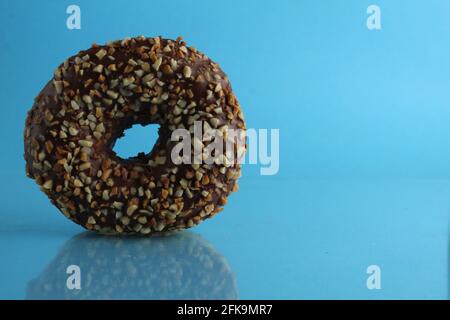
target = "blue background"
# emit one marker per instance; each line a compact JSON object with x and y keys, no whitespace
{"x":364,"y":119}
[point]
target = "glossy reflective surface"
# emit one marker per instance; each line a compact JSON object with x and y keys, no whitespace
{"x":180,"y":266}
{"x":314,"y":241}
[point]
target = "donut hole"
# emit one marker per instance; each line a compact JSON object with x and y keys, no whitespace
{"x":136,"y":141}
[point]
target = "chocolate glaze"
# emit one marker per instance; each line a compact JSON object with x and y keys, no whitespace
{"x":82,"y":96}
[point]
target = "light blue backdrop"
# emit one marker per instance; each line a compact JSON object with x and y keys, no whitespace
{"x":350,"y":103}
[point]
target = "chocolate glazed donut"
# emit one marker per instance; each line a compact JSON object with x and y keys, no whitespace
{"x":94,"y":97}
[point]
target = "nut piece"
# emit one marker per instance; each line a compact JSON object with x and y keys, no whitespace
{"x":86,"y":143}
{"x":131,"y":209}
{"x":167,"y":69}
{"x":98,"y":68}
{"x":73,"y":131}
{"x":157,"y":63}
{"x":101,"y":53}
{"x":48,"y":184}
{"x":214,"y":122}
{"x":187,"y":72}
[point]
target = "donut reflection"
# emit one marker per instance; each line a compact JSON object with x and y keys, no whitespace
{"x":179,"y":266}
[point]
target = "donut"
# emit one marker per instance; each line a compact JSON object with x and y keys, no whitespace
{"x":94,"y":96}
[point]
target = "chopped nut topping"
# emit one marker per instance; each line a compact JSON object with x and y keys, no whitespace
{"x":187,"y":71}
{"x":86,"y":143}
{"x":107,"y":88}
{"x":157,"y":64}
{"x":98,"y":68}
{"x":101,"y":53}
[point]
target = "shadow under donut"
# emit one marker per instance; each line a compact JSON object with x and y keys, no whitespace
{"x":179,"y":266}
